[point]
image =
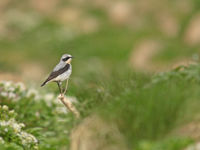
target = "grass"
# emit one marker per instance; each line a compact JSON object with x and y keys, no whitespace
{"x":145,"y":108}
{"x":151,"y":110}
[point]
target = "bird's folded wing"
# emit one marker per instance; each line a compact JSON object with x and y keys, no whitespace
{"x":54,"y":74}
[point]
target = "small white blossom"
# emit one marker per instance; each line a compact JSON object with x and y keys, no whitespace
{"x":7,"y":84}
{"x":1,"y":140}
{"x":11,"y":112}
{"x":21,"y":86}
{"x":11,"y":89}
{"x":32,"y":92}
{"x":27,"y":138}
{"x":36,"y":147}
{"x":49,"y":98}
{"x":4,"y":94}
{"x":37,"y":114}
{"x":22,"y":125}
{"x":6,"y":129}
{"x":61,"y":110}
{"x":12,"y":95}
{"x":5,"y":107}
{"x":72,"y":99}
{"x":16,"y":127}
{"x":3,"y":123}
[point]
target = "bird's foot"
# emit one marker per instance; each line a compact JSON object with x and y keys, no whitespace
{"x":65,"y":92}
{"x":61,"y":96}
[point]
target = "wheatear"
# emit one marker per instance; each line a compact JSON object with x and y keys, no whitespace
{"x":61,"y":72}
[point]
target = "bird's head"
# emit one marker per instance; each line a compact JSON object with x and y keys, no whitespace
{"x":66,"y":58}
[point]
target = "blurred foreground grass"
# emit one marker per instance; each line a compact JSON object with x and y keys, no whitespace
{"x":145,"y":109}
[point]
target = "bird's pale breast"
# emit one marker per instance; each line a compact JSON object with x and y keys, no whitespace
{"x":64,"y":76}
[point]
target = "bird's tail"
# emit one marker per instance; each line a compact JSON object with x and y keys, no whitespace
{"x":43,"y":84}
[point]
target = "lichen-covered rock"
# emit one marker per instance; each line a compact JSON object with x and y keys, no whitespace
{"x":96,"y":134}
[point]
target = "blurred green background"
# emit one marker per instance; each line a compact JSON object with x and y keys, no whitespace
{"x":120,"y":48}
{"x":148,"y":36}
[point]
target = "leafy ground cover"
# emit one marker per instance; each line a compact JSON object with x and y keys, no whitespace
{"x":145,"y":109}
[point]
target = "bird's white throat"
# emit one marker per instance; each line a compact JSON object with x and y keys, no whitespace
{"x":69,"y":61}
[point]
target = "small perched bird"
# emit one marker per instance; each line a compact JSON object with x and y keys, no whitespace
{"x":61,"y":72}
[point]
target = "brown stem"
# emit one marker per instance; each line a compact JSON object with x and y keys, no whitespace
{"x":69,"y":105}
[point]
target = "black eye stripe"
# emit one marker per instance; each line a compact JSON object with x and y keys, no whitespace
{"x":65,"y":59}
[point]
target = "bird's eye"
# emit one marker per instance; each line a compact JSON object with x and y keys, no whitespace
{"x":65,"y":59}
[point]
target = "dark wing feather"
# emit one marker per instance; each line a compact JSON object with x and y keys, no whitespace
{"x":54,"y":74}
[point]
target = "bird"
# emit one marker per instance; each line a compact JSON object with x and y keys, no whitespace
{"x":61,"y":72}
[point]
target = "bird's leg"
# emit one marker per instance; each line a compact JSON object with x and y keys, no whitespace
{"x":59,"y":86}
{"x":66,"y":87}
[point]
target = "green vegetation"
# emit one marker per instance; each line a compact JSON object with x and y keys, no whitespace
{"x":145,"y":109}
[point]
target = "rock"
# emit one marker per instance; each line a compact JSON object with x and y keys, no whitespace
{"x":120,"y":12}
{"x":191,"y":130}
{"x":89,"y":25}
{"x":195,"y":146}
{"x":44,"y":6}
{"x":168,"y":24}
{"x":141,"y":57}
{"x":192,"y":34}
{"x":4,"y":4}
{"x":70,"y":15}
{"x":96,"y":134}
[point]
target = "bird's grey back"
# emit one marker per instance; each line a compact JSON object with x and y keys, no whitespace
{"x":59,"y":66}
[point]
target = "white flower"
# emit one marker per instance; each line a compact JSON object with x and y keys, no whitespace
{"x":61,"y":110}
{"x":16,"y":127}
{"x":11,"y":89}
{"x":27,"y":138}
{"x":33,"y":92}
{"x":7,"y":84}
{"x":1,"y":140}
{"x":4,"y":94}
{"x":72,"y":99}
{"x":65,"y":131}
{"x":11,"y":112}
{"x":5,"y":107}
{"x":37,"y":114}
{"x":36,"y":147}
{"x":24,"y":142}
{"x":11,"y":125}
{"x":21,"y":86}
{"x":49,"y":98}
{"x":6,"y":129}
{"x":22,"y":125}
{"x":12,"y":95}
{"x":3,"y":123}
